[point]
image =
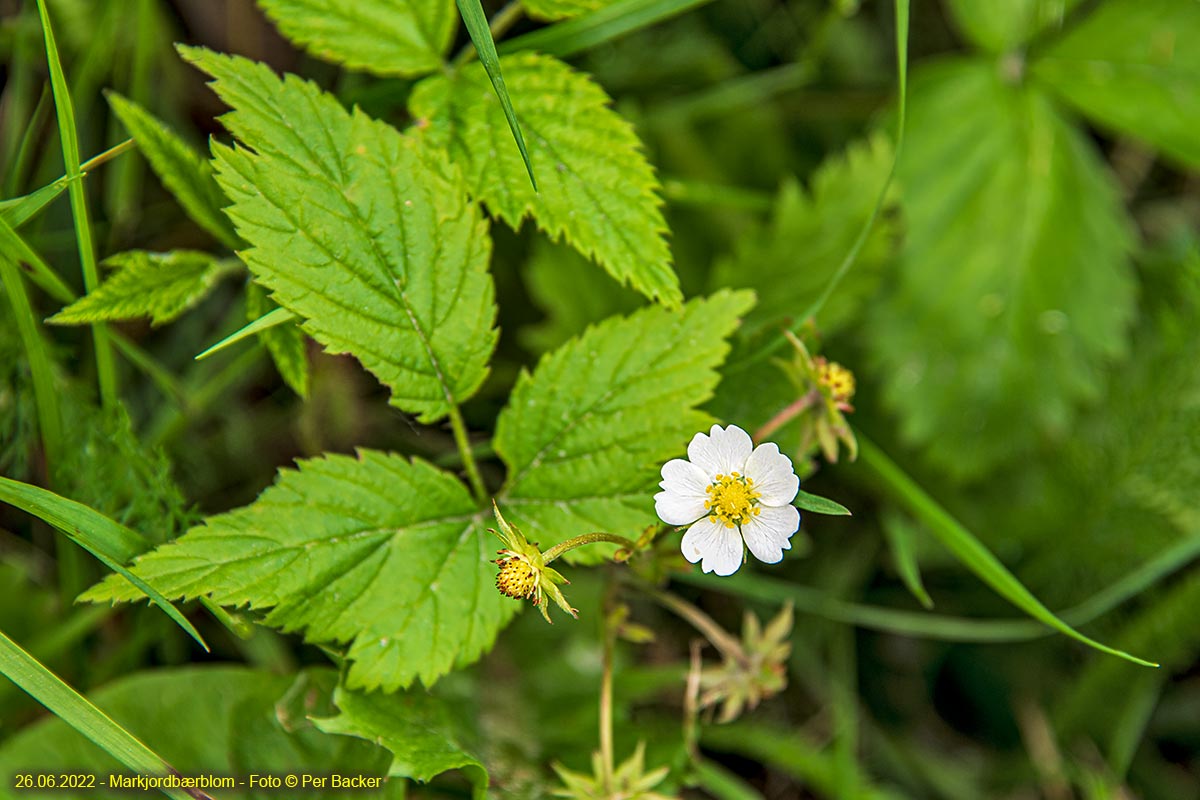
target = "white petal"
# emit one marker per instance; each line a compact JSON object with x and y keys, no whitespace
{"x":773,"y":475}
{"x":768,"y":533}
{"x":723,"y":451}
{"x":718,"y":546}
{"x":683,"y":495}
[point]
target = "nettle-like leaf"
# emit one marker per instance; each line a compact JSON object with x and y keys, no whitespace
{"x":415,"y":726}
{"x":385,"y":37}
{"x":157,"y":285}
{"x":790,"y":263}
{"x":1014,"y":288}
{"x":367,"y":235}
{"x":585,"y":435}
{"x":595,"y":187}
{"x":184,"y":172}
{"x":550,"y":10}
{"x":284,"y":342}
{"x":1001,"y":25}
{"x":386,"y":554}
{"x":1141,"y":49}
{"x":202,"y":720}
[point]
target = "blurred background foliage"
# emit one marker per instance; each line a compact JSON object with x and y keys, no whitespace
{"x":1022,"y":322}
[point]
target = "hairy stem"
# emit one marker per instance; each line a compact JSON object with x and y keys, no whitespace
{"x":785,"y":416}
{"x":729,"y":646}
{"x":587,"y":538}
{"x":468,"y":457}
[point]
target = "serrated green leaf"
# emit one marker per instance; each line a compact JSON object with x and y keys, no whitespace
{"x":1001,"y":25}
{"x":384,"y":37}
{"x":596,"y":188}
{"x":184,"y":172}
{"x":1132,"y":65}
{"x":157,"y":285}
{"x":552,"y":10}
{"x":415,"y":726}
{"x":366,"y":234}
{"x":284,"y":342}
{"x":215,"y":720}
{"x":571,"y":293}
{"x":585,"y":435}
{"x":1014,"y":288}
{"x":386,"y":554}
{"x":790,"y":263}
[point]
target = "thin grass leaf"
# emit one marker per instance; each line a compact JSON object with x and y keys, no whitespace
{"x":899,"y":533}
{"x":19,"y":210}
{"x":481,"y":37}
{"x":269,"y":320}
{"x":44,"y":392}
{"x":106,"y":369}
{"x":74,"y":709}
{"x":966,"y":548}
{"x":110,"y":542}
{"x":41,"y":273}
{"x":819,"y":505}
{"x":603,"y":25}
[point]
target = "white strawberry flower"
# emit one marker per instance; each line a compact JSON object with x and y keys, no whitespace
{"x":731,"y":493}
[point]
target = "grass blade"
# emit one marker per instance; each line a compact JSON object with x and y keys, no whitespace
{"x":603,"y":25}
{"x":966,"y":548}
{"x":819,"y":505}
{"x":278,"y":316}
{"x":481,"y":36}
{"x":110,"y":542}
{"x":19,"y":210}
{"x":900,"y":534}
{"x":41,"y":273}
{"x":77,"y":711}
{"x":44,"y":393}
{"x":106,"y":370}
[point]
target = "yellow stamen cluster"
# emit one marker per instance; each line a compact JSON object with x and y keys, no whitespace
{"x":517,"y":578}
{"x":732,"y":499}
{"x":836,"y":379}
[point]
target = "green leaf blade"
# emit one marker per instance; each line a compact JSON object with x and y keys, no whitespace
{"x":364,"y":233}
{"x":999,"y":26}
{"x":385,"y":554}
{"x":597,"y":189}
{"x":1129,"y":49}
{"x":184,"y":172}
{"x":285,"y":342}
{"x":1014,"y":288}
{"x":585,"y":434}
{"x":402,"y":38}
{"x":157,"y":285}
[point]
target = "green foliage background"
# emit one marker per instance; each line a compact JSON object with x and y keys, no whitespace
{"x":431,"y":332}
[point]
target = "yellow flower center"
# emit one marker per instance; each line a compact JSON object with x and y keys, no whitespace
{"x":517,"y":578}
{"x":837,"y":380}
{"x":732,"y":499}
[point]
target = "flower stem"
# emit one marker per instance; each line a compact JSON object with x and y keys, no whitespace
{"x":606,"y":693}
{"x":468,"y":458}
{"x":729,"y":646}
{"x":785,"y":416}
{"x":587,"y":538}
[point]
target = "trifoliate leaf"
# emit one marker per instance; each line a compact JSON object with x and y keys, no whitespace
{"x":284,"y":342}
{"x":790,"y":263}
{"x":184,"y":172}
{"x":595,"y":187}
{"x":585,"y":435}
{"x":366,"y":234}
{"x":1001,"y":25}
{"x":1014,"y":288}
{"x":385,"y":37}
{"x":550,"y":10}
{"x":157,"y":285}
{"x":386,"y":554}
{"x":209,"y":720}
{"x":571,"y":293}
{"x":415,"y":726}
{"x":1128,"y":49}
